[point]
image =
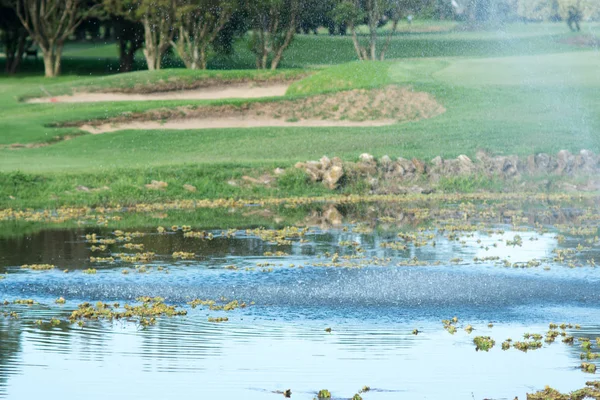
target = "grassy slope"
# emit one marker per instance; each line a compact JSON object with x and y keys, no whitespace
{"x":512,"y":105}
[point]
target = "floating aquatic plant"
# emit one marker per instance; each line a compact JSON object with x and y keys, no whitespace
{"x":218,"y":319}
{"x":38,"y":267}
{"x":527,"y":345}
{"x":484,"y":343}
{"x":324,"y":394}
{"x":184,"y":255}
{"x":60,"y":300}
{"x":588,"y":367}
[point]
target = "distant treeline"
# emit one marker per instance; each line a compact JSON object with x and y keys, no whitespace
{"x":192,"y":28}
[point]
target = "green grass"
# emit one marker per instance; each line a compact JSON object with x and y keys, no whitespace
{"x":147,"y":80}
{"x":519,"y":91}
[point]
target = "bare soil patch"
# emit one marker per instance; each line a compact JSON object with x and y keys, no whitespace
{"x":359,"y":107}
{"x":232,"y":91}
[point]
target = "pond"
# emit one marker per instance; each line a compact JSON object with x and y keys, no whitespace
{"x":340,"y":298}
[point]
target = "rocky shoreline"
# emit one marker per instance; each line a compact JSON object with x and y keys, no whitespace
{"x":384,"y":172}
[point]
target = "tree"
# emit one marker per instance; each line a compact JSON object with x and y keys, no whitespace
{"x":13,"y":35}
{"x":371,"y":12}
{"x":50,"y":23}
{"x":130,"y":38}
{"x":199,"y":23}
{"x":158,"y":20}
{"x":542,"y":10}
{"x":273,"y":24}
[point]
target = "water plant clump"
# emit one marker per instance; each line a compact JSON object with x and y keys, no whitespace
{"x":324,"y":394}
{"x":588,"y":367}
{"x":484,"y":343}
{"x":145,"y":314}
{"x":38,"y":267}
{"x":591,"y":391}
{"x":218,"y":319}
{"x":214,"y":306}
{"x":527,"y":345}
{"x":27,"y":302}
{"x":184,"y":255}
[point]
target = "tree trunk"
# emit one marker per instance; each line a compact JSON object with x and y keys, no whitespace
{"x":288,"y":39}
{"x":203,"y":57}
{"x":126,"y":55}
{"x":51,"y":62}
{"x":388,"y":40}
{"x":373,"y":20}
{"x":14,"y":47}
{"x":357,"y":47}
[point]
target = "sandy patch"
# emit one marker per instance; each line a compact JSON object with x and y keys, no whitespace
{"x":358,"y":108}
{"x":233,"y":91}
{"x":232,"y":122}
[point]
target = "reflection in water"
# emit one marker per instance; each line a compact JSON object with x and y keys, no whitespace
{"x":372,"y":282}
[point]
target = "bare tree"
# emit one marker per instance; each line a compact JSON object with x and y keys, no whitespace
{"x":199,"y":22}
{"x":273,"y":24}
{"x":50,"y":23}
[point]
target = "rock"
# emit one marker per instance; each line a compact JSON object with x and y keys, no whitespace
{"x":157,"y":185}
{"x":366,"y":158}
{"x":404,"y":167}
{"x":314,"y":171}
{"x":566,"y":162}
{"x":232,"y":183}
{"x":189,"y":188}
{"x":332,"y":176}
{"x":279,"y":171}
{"x":333,"y":216}
{"x":385,"y":161}
{"x":337,"y":162}
{"x":544,"y":163}
{"x":509,"y":166}
{"x":299,"y":165}
{"x":325,"y":162}
{"x":466,"y":166}
{"x":420,"y":167}
{"x":438,"y":161}
{"x":82,"y":188}
{"x":482,"y":156}
{"x":587,"y":161}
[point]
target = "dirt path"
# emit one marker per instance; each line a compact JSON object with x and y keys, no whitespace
{"x":234,"y":91}
{"x":232,"y":122}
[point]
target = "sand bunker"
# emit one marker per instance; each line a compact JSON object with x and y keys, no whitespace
{"x":233,"y":91}
{"x":217,"y":123}
{"x":359,"y":108}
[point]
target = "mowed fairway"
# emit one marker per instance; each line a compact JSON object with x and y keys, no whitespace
{"x":528,"y":92}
